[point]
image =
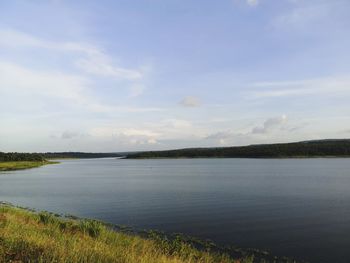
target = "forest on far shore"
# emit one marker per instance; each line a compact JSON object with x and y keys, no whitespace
{"x":319,"y":148}
{"x":17,"y":157}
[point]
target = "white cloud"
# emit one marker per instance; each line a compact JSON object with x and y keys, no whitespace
{"x":70,"y":135}
{"x":221,"y":135}
{"x":270,"y":124}
{"x":127,"y":136}
{"x":13,"y":38}
{"x":139,"y":132}
{"x":47,"y":86}
{"x":108,"y":131}
{"x":99,"y":64}
{"x":88,"y":58}
{"x":174,"y":128}
{"x":18,"y":82}
{"x":177,"y":124}
{"x":136,"y":90}
{"x":190,"y":101}
{"x":148,"y":132}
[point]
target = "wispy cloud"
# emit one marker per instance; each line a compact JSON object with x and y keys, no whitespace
{"x":190,"y":101}
{"x":252,"y":2}
{"x":268,"y":128}
{"x":70,"y":135}
{"x":13,"y":38}
{"x":71,"y":90}
{"x":99,"y":64}
{"x":127,"y":136}
{"x":136,"y":90}
{"x":222,"y":137}
{"x":176,"y":124}
{"x":332,"y":85}
{"x":15,"y":79}
{"x":270,"y":124}
{"x":88,"y":58}
{"x":302,"y":15}
{"x":146,"y":132}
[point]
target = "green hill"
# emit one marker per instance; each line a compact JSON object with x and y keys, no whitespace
{"x":316,"y":148}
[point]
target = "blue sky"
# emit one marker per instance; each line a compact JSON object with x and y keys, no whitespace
{"x":160,"y":74}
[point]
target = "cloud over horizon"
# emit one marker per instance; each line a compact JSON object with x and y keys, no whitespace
{"x":270,"y":124}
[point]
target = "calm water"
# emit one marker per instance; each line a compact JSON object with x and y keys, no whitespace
{"x":292,"y":207}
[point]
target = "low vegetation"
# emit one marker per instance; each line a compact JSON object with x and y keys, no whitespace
{"x":20,"y":165}
{"x":27,"y":236}
{"x":19,"y":161}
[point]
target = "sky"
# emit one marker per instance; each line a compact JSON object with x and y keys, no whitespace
{"x":126,"y":75}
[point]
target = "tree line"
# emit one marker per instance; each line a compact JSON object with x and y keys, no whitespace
{"x":15,"y":157}
{"x":79,"y":155}
{"x":322,"y":148}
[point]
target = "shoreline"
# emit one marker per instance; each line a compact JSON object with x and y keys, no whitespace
{"x":227,"y":253}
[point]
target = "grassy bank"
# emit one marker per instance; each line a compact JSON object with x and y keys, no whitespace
{"x":20,"y":165}
{"x":41,"y":237}
{"x":27,"y":236}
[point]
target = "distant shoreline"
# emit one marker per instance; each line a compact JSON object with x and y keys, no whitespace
{"x":223,"y":157}
{"x":306,"y":149}
{"x":329,"y":148}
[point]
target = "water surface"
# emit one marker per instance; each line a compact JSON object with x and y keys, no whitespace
{"x":291,"y":207}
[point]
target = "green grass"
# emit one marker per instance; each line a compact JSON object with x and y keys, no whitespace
{"x":27,"y":236}
{"x":20,"y":165}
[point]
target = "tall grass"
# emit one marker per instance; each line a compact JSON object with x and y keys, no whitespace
{"x":41,"y":237}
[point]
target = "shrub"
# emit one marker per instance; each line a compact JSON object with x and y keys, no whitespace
{"x":47,"y":218}
{"x":91,"y":227}
{"x":3,"y":220}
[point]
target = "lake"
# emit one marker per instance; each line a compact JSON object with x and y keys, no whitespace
{"x":291,"y":207}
